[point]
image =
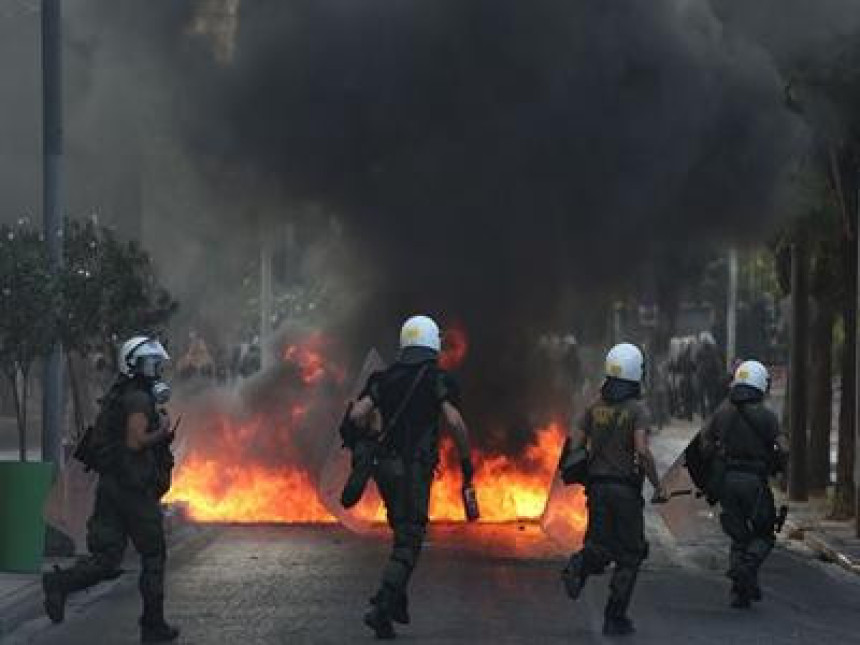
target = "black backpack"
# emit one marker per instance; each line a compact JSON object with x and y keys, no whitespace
{"x":98,"y":446}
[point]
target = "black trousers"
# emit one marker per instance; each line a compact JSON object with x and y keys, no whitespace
{"x":120,"y":514}
{"x":747,"y":517}
{"x":405,"y":490}
{"x":614,"y":535}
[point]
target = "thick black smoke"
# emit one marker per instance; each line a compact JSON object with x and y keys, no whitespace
{"x":492,"y":155}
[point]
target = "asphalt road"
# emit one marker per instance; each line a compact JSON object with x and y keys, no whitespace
{"x":294,"y":584}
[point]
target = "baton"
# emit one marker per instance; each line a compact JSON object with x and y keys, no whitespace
{"x":680,"y":493}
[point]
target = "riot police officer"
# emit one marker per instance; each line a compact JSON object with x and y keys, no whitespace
{"x":745,"y":437}
{"x":403,"y":406}
{"x":615,"y":431}
{"x":129,"y":448}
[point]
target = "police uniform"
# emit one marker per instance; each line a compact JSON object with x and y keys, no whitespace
{"x":744,"y":434}
{"x":615,"y":504}
{"x":131,"y":484}
{"x":406,"y":468}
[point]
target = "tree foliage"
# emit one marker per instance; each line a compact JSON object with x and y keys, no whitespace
{"x":28,"y":302}
{"x":109,"y":290}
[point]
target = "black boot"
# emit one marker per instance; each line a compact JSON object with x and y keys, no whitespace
{"x":616,"y":622}
{"x":573,"y":576}
{"x":153,"y":628}
{"x":399,"y":609}
{"x":742,"y":589}
{"x":380,"y":622}
{"x":618,"y":626}
{"x":379,"y":617}
{"x":55,"y":595}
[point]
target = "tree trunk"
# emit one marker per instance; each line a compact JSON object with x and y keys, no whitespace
{"x":798,"y":369}
{"x":843,"y":501}
{"x":20,"y":415}
{"x":821,"y":399}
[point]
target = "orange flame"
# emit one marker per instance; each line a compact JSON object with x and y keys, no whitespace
{"x":243,"y":472}
{"x":218,"y":489}
{"x":310,"y":361}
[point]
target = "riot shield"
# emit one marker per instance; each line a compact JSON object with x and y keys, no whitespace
{"x":565,"y":516}
{"x":70,"y":502}
{"x":336,"y":468}
{"x":687,"y":515}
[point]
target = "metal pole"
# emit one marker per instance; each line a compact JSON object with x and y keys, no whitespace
{"x":52,"y":141}
{"x":732,"y":310}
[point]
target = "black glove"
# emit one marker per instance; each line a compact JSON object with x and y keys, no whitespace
{"x":468,"y":471}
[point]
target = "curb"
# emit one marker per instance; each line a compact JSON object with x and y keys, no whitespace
{"x":819,"y":543}
{"x":28,"y":605}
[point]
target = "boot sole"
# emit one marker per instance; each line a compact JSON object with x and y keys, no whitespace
{"x":159,"y":639}
{"x":54,"y":610}
{"x":381,"y":633}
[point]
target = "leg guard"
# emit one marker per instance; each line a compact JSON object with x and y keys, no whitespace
{"x":621,"y":591}
{"x":153,"y":628}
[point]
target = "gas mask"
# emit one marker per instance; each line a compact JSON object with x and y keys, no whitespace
{"x":150,"y":368}
{"x":161,"y":392}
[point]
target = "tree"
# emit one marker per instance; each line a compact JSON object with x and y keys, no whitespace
{"x":28,"y":298}
{"x":826,"y":91}
{"x":109,"y":291}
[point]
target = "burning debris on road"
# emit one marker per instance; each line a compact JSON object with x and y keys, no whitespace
{"x":266,"y":465}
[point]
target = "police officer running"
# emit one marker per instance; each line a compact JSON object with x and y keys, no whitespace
{"x":413,"y":393}
{"x":615,"y":431}
{"x":745,"y":436}
{"x":129,"y":448}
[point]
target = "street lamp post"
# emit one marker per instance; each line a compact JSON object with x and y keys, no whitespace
{"x":52,"y":142}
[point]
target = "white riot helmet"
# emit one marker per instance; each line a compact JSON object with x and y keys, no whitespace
{"x":625,"y":362}
{"x":142,"y":355}
{"x":753,"y":374}
{"x":421,"y":331}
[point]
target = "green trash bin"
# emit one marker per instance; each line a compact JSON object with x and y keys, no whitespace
{"x":23,"y":490}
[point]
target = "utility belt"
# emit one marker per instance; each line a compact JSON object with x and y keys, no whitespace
{"x":632,"y":481}
{"x":748,"y":466}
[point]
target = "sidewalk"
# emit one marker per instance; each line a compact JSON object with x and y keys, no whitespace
{"x":832,"y":541}
{"x":21,"y":594}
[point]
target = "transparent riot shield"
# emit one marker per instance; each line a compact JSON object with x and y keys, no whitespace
{"x":687,"y":515}
{"x":336,"y":468}
{"x":70,"y":502}
{"x":565,"y":516}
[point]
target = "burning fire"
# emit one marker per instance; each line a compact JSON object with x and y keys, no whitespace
{"x":242,"y":471}
{"x":219,"y":489}
{"x":309,"y":360}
